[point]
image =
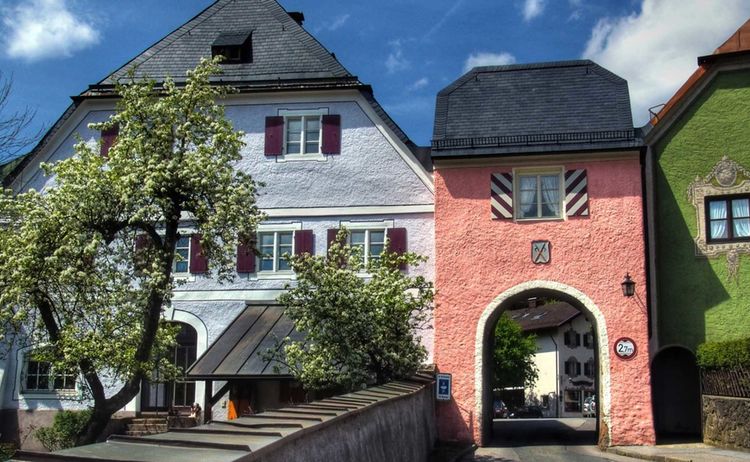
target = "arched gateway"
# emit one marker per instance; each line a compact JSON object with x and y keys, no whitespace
{"x":483,"y":348}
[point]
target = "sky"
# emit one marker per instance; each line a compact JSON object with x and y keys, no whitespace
{"x":408,"y":50}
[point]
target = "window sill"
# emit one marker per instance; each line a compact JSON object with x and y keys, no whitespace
{"x":270,"y":275}
{"x":303,"y":158}
{"x":69,"y":395}
{"x":183,"y":277}
{"x":525,"y":220}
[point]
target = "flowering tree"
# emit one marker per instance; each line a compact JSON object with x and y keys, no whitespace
{"x":71,"y":275}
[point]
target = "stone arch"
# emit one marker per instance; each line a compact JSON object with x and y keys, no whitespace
{"x":675,"y":389}
{"x":489,"y":318}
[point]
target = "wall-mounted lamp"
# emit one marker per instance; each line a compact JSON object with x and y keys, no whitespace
{"x":628,"y":286}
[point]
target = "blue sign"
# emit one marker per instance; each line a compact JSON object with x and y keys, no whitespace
{"x":444,"y":387}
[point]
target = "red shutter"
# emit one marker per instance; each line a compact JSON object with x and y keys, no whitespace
{"x":332,"y":233}
{"x":303,"y":242}
{"x":142,"y":241}
{"x":274,"y":135}
{"x":245,"y":259}
{"x":331,"y":134}
{"x":108,"y":139}
{"x":198,"y":261}
{"x":397,"y":242}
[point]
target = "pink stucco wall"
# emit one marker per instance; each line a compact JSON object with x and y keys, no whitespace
{"x":478,"y":259}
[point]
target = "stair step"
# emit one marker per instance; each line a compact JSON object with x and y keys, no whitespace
{"x":150,"y":420}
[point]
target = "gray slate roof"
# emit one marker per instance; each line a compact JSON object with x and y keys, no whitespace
{"x":544,"y":316}
{"x":282,"y":49}
{"x":501,"y":109}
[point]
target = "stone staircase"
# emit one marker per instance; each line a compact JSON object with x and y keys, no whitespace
{"x":151,"y":425}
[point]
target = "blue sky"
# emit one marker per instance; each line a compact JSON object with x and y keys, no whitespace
{"x":407,"y":50}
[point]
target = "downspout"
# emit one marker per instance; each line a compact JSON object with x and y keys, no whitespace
{"x":557,"y":376}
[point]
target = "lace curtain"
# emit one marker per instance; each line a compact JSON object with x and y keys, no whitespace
{"x":718,"y":218}
{"x":741,"y":217}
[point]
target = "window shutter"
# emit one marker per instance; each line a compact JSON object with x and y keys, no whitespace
{"x":108,"y":139}
{"x":567,"y":338}
{"x":331,"y":236}
{"x":274,"y":135}
{"x":198,"y":261}
{"x":245,"y":258}
{"x":501,"y":196}
{"x":586,"y":340}
{"x":142,"y":241}
{"x":303,"y":242}
{"x":576,"y":193}
{"x":397,"y":242}
{"x":331,"y":134}
{"x":578,"y":340}
{"x":578,"y":368}
{"x":567,"y":367}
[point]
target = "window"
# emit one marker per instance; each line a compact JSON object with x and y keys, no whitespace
{"x":539,"y":195}
{"x":588,"y":368}
{"x":41,"y":377}
{"x":728,"y":218}
{"x":572,"y":367}
{"x":588,"y":340}
{"x":181,"y":263}
{"x":302,"y":134}
{"x":371,"y":243}
{"x":572,"y":339}
{"x":273,"y":246}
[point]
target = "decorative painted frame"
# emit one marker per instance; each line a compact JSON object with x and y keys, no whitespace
{"x":726,"y":178}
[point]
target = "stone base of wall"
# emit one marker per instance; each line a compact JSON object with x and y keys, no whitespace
{"x":19,"y":426}
{"x":725,"y":422}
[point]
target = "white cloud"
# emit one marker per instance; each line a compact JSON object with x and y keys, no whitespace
{"x":656,"y":50}
{"x":421,"y":83}
{"x":396,"y":60}
{"x":488,"y":59}
{"x":532,"y":9}
{"x":39,"y":29}
{"x":438,"y":25}
{"x":337,"y":23}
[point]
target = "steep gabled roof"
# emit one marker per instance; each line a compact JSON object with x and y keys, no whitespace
{"x":281,"y":48}
{"x":544,"y":316}
{"x":735,"y":46}
{"x":574,"y":103}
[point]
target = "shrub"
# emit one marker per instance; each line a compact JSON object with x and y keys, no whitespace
{"x":62,"y":434}
{"x":728,"y":354}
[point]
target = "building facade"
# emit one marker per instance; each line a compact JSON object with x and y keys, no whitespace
{"x":538,"y":193}
{"x":329,"y":156}
{"x":699,"y":173}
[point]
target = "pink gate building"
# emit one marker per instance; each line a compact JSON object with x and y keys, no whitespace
{"x":538,"y":193}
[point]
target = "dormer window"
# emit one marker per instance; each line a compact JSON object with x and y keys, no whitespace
{"x":235,"y":47}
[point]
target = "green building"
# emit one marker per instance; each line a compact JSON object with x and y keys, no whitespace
{"x":698,"y":172}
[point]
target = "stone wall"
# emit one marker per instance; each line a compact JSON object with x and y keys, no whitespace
{"x":725,"y":421}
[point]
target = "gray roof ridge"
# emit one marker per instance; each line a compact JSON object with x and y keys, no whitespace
{"x":168,"y":39}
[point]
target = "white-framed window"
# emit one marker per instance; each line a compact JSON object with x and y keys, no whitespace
{"x":273,"y":245}
{"x":538,"y":194}
{"x":369,"y":236}
{"x":371,"y":243}
{"x":181,"y":262}
{"x":303,"y":133}
{"x":41,"y":377}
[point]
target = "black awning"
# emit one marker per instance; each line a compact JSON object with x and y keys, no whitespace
{"x":238,"y":352}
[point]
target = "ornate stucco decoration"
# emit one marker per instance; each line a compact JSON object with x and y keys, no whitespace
{"x":727,"y":177}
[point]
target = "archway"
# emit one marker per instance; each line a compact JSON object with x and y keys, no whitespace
{"x":484,"y":345}
{"x":675,"y":382}
{"x":159,"y":395}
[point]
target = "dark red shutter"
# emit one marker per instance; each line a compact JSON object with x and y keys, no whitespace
{"x":141,"y":241}
{"x":108,"y":139}
{"x":303,"y":242}
{"x":397,"y":242}
{"x":274,"y":135}
{"x":332,"y":233}
{"x":331,"y":134}
{"x":245,"y":259}
{"x":198,"y":261}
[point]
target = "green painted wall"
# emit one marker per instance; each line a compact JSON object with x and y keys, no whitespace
{"x":696,"y":301}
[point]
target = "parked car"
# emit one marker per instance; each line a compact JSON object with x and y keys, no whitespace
{"x":527,"y":412}
{"x":500,"y":410}
{"x":589,"y":406}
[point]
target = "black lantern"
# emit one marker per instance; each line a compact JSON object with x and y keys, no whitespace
{"x":628,"y":286}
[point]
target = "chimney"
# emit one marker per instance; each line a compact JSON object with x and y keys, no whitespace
{"x":298,"y":16}
{"x":532,"y":302}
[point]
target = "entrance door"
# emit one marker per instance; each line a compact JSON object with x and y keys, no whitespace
{"x":158,"y":395}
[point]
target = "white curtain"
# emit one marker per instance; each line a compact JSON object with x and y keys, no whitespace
{"x":551,"y":193}
{"x":741,"y":214}
{"x":718,"y":217}
{"x":528,"y":196}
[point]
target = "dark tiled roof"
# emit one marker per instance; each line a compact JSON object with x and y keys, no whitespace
{"x":238,"y":351}
{"x":544,"y":316}
{"x":570,"y":103}
{"x":282,"y":49}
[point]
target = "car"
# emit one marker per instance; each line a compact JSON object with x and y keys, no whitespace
{"x":589,"y":406}
{"x":500,"y":410}
{"x":527,"y":412}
